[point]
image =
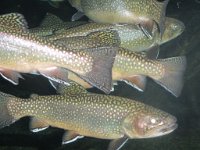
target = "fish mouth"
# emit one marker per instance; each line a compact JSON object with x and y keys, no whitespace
{"x":170,"y":126}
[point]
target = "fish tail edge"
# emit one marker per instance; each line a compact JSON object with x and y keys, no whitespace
{"x":172,"y":79}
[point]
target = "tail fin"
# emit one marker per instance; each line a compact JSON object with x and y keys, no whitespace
{"x":173,"y":77}
{"x":101,"y":74}
{"x":5,"y":117}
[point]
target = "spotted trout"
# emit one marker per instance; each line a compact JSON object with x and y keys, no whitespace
{"x":131,"y":37}
{"x":88,"y":114}
{"x":141,"y":12}
{"x":23,"y":52}
{"x":133,"y":67}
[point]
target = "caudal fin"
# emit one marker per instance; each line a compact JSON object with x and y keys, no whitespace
{"x":173,"y":76}
{"x":5,"y":118}
{"x":101,"y":74}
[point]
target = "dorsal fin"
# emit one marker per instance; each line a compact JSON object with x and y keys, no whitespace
{"x":14,"y":21}
{"x":50,"y":19}
{"x":72,"y":89}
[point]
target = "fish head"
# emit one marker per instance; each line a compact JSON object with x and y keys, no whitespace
{"x":148,"y":123}
{"x":173,"y":28}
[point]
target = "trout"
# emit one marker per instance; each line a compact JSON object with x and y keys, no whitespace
{"x":133,"y":67}
{"x":131,"y":37}
{"x":141,"y":12}
{"x":23,"y":52}
{"x":88,"y":114}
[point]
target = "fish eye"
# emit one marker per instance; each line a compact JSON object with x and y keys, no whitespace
{"x":153,"y":120}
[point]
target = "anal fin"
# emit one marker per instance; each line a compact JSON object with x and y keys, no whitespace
{"x":70,"y":136}
{"x":37,"y":125}
{"x":11,"y":76}
{"x":137,"y":81}
{"x":56,"y":74}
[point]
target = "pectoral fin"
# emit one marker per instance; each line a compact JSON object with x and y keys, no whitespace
{"x":70,"y":136}
{"x":137,"y":81}
{"x":11,"y":76}
{"x":147,"y":28}
{"x":37,"y":125}
{"x":118,"y":143}
{"x":78,"y":15}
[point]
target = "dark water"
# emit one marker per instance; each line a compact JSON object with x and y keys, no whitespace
{"x":186,"y":108}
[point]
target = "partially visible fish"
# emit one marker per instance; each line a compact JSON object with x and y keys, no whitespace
{"x":141,"y":12}
{"x":87,"y":114}
{"x":21,"y":51}
{"x":131,"y":36}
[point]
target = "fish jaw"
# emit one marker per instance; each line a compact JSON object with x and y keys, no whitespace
{"x":150,"y":124}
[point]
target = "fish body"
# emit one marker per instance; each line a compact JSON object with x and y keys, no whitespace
{"x":141,"y":12}
{"x":87,"y":114}
{"x":24,"y":52}
{"x":131,"y":37}
{"x":133,"y":68}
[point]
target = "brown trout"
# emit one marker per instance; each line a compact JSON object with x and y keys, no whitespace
{"x":87,"y":114}
{"x":131,"y":37}
{"x":21,"y":51}
{"x":141,"y":12}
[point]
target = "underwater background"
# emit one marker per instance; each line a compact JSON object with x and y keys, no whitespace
{"x":186,"y":107}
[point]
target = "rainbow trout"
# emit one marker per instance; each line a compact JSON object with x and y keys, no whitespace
{"x":21,"y":51}
{"x":141,"y":12}
{"x":87,"y":114}
{"x":131,"y":37}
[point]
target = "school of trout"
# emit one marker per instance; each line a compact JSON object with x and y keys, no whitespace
{"x":119,"y":43}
